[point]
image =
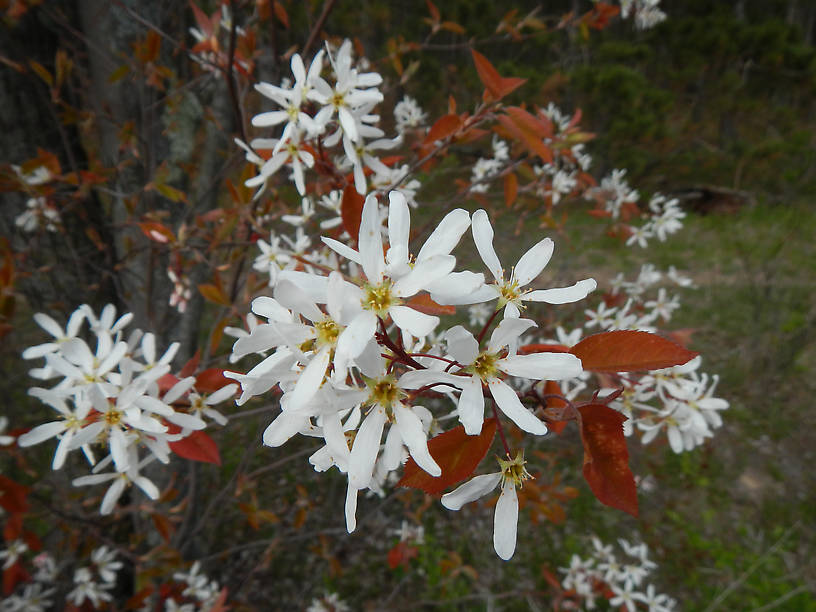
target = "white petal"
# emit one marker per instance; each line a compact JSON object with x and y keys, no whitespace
{"x":399,"y":228}
{"x":41,"y":350}
{"x":423,"y":274}
{"x":179,"y":389}
{"x":49,"y":325}
{"x":41,"y":433}
{"x":186,"y":421}
{"x":447,"y":234}
{"x":483,"y":237}
{"x":310,"y":379}
{"x":455,"y":286}
{"x":62,"y":450}
{"x":414,"y":322}
{"x":118,"y":447}
{"x":462,"y":346}
{"x":533,"y":262}
{"x":410,"y":428}
{"x":392,"y":450}
{"x":365,"y":448}
{"x":77,"y":352}
{"x":505,"y":522}
{"x":292,"y":297}
{"x":355,"y":337}
{"x":471,"y":405}
{"x":286,"y":425}
{"x":314,"y":286}
{"x":222,"y":394}
{"x":472,"y":490}
{"x":271,"y":309}
{"x":508,"y":331}
{"x":351,"y":508}
{"x":342,"y":249}
{"x":563,"y":295}
{"x":370,"y":242}
{"x":511,"y":405}
{"x":150,"y":489}
{"x":112,"y":495}
{"x":414,"y":379}
{"x":542,"y":366}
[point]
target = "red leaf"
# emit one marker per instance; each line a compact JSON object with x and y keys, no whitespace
{"x":401,"y":554}
{"x":496,"y":85}
{"x":606,"y":458}
{"x":543,"y":348}
{"x":351,"y":211}
{"x":157,"y":231}
{"x":13,"y":576}
{"x":551,"y":388}
{"x":424,"y":303}
{"x":191,"y":366}
{"x":629,"y":351}
{"x":198,"y":446}
{"x":444,"y":127}
{"x":510,"y":189}
{"x":457,"y":453}
{"x":211,"y":380}
{"x":215,"y":294}
{"x":13,"y":495}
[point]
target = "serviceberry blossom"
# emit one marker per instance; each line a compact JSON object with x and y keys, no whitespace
{"x":408,"y":115}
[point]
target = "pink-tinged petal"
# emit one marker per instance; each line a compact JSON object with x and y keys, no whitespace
{"x":446,"y":235}
{"x":424,"y":273}
{"x":370,"y":242}
{"x":310,"y":380}
{"x":365,"y":448}
{"x":414,"y":322}
{"x":483,"y":237}
{"x":49,"y":325}
{"x":508,"y":331}
{"x":41,"y":433}
{"x":473,"y":489}
{"x":462,"y":346}
{"x":285,"y":425}
{"x":542,"y":366}
{"x":342,"y":249}
{"x":292,"y":297}
{"x":351,"y":508}
{"x":150,"y":489}
{"x":505,"y":522}
{"x":112,"y":495}
{"x":399,"y":228}
{"x":563,"y":295}
{"x":356,"y":336}
{"x":412,"y":433}
{"x":509,"y":403}
{"x":533,"y":262}
{"x":471,"y":405}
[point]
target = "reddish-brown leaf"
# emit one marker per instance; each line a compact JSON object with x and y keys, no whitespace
{"x":510,"y":189}
{"x":552,"y":388}
{"x":214,"y":293}
{"x":198,"y":446}
{"x":442,"y":128}
{"x":157,"y":231}
{"x":13,"y":495}
{"x":528,"y":349}
{"x":281,"y":14}
{"x":351,"y":211}
{"x":401,"y":554}
{"x":629,"y":351}
{"x":424,"y":303}
{"x":496,"y":85}
{"x":606,"y":458}
{"x":457,"y":453}
{"x":163,"y":526}
{"x":191,"y":366}
{"x":12,"y":576}
{"x":211,"y":380}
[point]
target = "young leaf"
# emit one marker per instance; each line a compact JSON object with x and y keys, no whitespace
{"x":496,"y":85}
{"x":510,"y":189}
{"x":198,"y":446}
{"x":424,"y":303}
{"x":351,"y":211}
{"x":606,"y":458}
{"x":211,"y":380}
{"x":629,"y":351}
{"x":457,"y":453}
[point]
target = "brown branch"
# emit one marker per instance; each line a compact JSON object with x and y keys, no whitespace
{"x":328,"y":5}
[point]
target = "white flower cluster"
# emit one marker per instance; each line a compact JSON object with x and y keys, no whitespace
{"x":93,"y":583}
{"x":36,"y":595}
{"x":330,"y":602}
{"x":625,"y":576}
{"x":39,"y":213}
{"x":678,"y":400}
{"x":199,"y":593}
{"x":353,"y":351}
{"x":647,"y":13}
{"x":118,"y":396}
{"x":487,"y":168}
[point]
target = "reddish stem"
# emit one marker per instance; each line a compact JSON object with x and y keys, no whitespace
{"x":486,"y":326}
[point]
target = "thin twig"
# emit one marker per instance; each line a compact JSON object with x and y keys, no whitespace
{"x":318,"y":26}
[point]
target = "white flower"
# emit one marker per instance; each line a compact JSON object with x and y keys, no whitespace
{"x":121,"y":480}
{"x":12,"y":553}
{"x":408,"y":114}
{"x":86,"y":588}
{"x":105,"y":562}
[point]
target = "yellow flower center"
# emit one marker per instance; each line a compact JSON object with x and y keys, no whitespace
{"x":484,"y":366}
{"x":513,"y":469}
{"x":379,"y":298}
{"x":327,"y":332}
{"x":384,"y":392}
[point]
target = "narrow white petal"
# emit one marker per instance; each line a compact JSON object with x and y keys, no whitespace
{"x":285,"y":425}
{"x":186,"y":421}
{"x":355,"y":337}
{"x":370,"y":242}
{"x":473,"y":489}
{"x":62,"y":450}
{"x":222,"y":394}
{"x":49,"y":325}
{"x":77,"y":352}
{"x":483,"y":237}
{"x":410,"y":428}
{"x":41,"y":350}
{"x":271,"y":309}
{"x":505,"y":522}
{"x":508,"y":331}
{"x":542,"y":366}
{"x":471,"y":405}
{"x":399,"y":228}
{"x":414,"y":322}
{"x":392,"y":450}
{"x":414,"y":379}
{"x":342,"y":249}
{"x":112,"y":496}
{"x":41,"y":433}
{"x":533,"y":262}
{"x":179,"y":389}
{"x":310,"y":379}
{"x":446,"y":235}
{"x":455,"y":286}
{"x":118,"y":447}
{"x":423,"y":274}
{"x":292,"y":297}
{"x":511,"y":405}
{"x":150,"y":489}
{"x":365,"y":448}
{"x":351,"y":508}
{"x":563,"y":295}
